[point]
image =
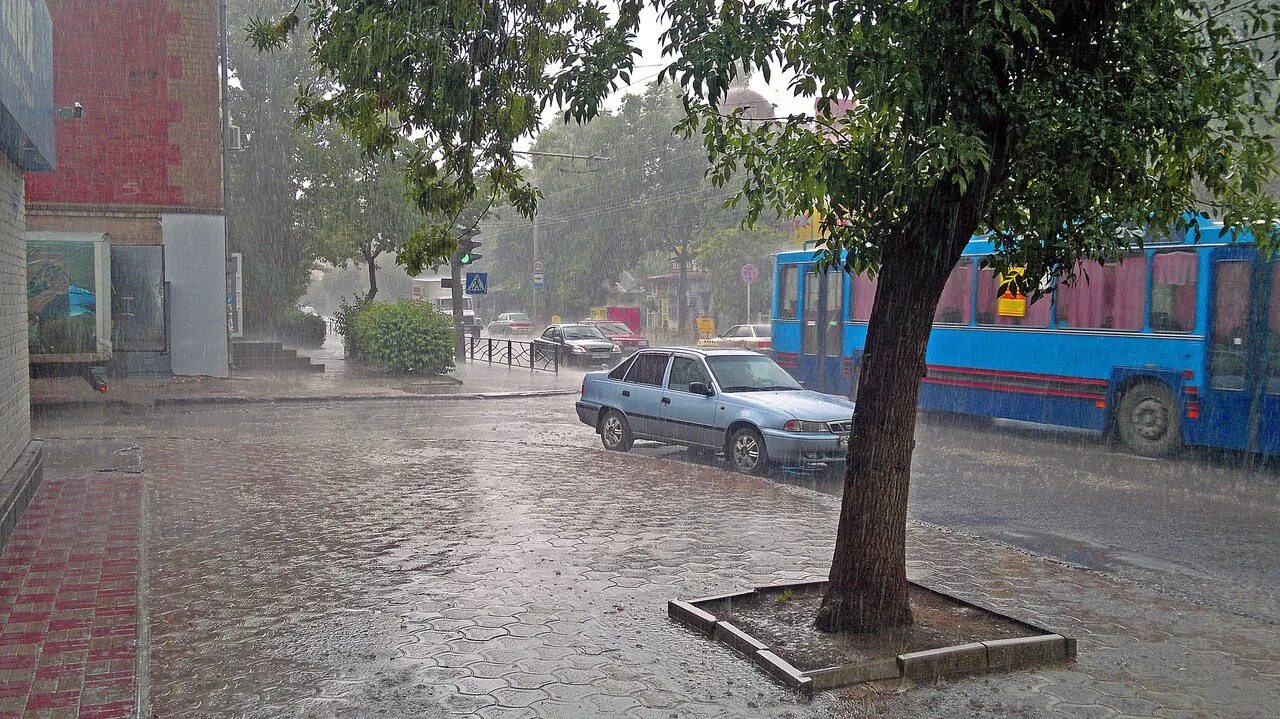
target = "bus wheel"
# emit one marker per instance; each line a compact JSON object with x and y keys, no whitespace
{"x":1147,"y":420}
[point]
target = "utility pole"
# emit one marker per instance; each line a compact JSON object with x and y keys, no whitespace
{"x":455,"y":293}
{"x":682,"y":301}
{"x":537,"y":293}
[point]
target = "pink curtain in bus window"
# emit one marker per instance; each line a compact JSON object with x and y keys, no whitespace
{"x":1128,"y":293}
{"x":1111,"y":297}
{"x":1178,"y":270}
{"x":954,"y":305}
{"x":864,"y":294}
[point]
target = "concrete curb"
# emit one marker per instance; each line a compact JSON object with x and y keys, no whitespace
{"x":981,"y":657}
{"x":57,"y":405}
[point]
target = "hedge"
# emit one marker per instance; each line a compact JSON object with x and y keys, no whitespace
{"x":303,"y":330}
{"x":403,"y":336}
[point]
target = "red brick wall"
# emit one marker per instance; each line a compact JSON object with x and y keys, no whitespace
{"x":146,"y":72}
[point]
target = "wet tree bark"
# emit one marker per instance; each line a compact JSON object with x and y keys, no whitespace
{"x":868,"y":581}
{"x":370,"y":261}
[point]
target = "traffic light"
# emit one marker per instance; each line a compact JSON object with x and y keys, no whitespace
{"x":467,"y":247}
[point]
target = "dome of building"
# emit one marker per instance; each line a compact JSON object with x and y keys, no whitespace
{"x":754,"y":106}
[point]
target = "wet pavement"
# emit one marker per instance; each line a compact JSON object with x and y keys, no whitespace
{"x":487,"y":558}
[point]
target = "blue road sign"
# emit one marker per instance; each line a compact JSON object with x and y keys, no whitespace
{"x":477,"y":283}
{"x":539,"y":280}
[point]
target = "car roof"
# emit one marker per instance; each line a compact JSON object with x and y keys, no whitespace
{"x":704,"y":351}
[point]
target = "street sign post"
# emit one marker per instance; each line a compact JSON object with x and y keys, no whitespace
{"x":539,"y":280}
{"x":750,"y":273}
{"x":477,"y":283}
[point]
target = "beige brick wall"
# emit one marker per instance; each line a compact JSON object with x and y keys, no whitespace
{"x":15,"y":389}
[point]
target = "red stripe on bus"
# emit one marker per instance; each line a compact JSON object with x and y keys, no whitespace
{"x":1021,"y":375}
{"x":1007,"y":388}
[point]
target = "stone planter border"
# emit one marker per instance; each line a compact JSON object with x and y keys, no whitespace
{"x":980,"y":657}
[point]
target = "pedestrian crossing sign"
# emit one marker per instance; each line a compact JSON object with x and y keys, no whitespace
{"x":477,"y":283}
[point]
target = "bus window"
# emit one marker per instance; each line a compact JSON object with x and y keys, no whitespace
{"x":809,"y":340}
{"x":835,"y":297}
{"x":1034,"y":314}
{"x":1229,"y":342}
{"x":864,"y":295}
{"x":1273,"y":333}
{"x":788,"y":293}
{"x":956,"y":304}
{"x":1173,"y":291}
{"x":1105,"y":297}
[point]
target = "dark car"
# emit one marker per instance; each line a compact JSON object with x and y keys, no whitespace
{"x":577,"y":344}
{"x":620,"y":334}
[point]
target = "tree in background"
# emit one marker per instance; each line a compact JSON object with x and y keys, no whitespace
{"x":597,"y":219}
{"x":723,"y":254}
{"x":267,"y":175}
{"x":353,"y":207}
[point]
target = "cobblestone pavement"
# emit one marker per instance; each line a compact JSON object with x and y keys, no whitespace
{"x":428,"y":559}
{"x":68,"y":594}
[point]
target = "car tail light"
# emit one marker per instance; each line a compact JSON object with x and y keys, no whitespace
{"x":584,"y":387}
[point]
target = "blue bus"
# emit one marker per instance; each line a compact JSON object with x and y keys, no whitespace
{"x":1177,"y":343}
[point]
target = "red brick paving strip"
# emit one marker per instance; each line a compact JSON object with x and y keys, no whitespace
{"x":69,"y":601}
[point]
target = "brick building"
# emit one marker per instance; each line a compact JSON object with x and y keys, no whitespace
{"x":144,"y":167}
{"x":26,"y":145}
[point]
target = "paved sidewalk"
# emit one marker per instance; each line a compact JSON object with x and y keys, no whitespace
{"x":379,"y":559}
{"x":340,"y":381}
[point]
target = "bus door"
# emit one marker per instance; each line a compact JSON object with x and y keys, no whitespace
{"x":1266,"y":422}
{"x":821,"y":342}
{"x":1241,"y":399}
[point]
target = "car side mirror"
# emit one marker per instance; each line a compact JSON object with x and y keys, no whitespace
{"x":700,"y":388}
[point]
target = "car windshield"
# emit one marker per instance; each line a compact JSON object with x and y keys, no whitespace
{"x":750,"y":373}
{"x":517,"y":317}
{"x":616,"y":328}
{"x":582,"y":332}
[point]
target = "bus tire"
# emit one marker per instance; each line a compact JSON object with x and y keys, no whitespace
{"x":1147,"y":420}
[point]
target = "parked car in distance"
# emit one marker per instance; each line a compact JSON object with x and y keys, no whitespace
{"x":751,"y":337}
{"x":510,"y":323}
{"x":736,"y":401}
{"x":577,"y":344}
{"x":621,"y":334}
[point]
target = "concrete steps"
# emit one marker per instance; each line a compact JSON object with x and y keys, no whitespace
{"x":264,"y":355}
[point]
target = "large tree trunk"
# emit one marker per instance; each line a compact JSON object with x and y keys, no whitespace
{"x":868,"y":579}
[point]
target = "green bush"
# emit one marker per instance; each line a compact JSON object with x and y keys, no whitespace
{"x":344,"y":323}
{"x":302,"y":330}
{"x":405,"y":336}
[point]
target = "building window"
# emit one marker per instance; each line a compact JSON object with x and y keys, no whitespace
{"x":1105,"y":297}
{"x":956,"y":305}
{"x":1007,"y":308}
{"x":1173,"y":291}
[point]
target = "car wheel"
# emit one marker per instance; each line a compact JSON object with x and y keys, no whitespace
{"x":615,"y":432}
{"x":1147,"y":420}
{"x":746,"y":451}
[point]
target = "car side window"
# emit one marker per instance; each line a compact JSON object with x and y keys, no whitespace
{"x":621,"y":370}
{"x":684,"y":372}
{"x":549,"y":333}
{"x":739,"y":331}
{"x":648,"y":369}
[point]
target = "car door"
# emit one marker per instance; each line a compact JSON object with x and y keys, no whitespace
{"x":642,"y":392}
{"x":688,"y":417}
{"x":551,"y":342}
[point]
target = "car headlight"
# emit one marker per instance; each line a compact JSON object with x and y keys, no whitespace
{"x":617,"y":348}
{"x":579,"y":351}
{"x":801,"y":425}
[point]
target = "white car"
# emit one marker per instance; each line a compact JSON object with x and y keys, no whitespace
{"x":747,"y":337}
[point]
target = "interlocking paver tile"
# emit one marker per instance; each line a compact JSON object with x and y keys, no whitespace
{"x":399,"y":560}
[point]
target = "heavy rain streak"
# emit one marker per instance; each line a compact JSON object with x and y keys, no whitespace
{"x":651,"y":359}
